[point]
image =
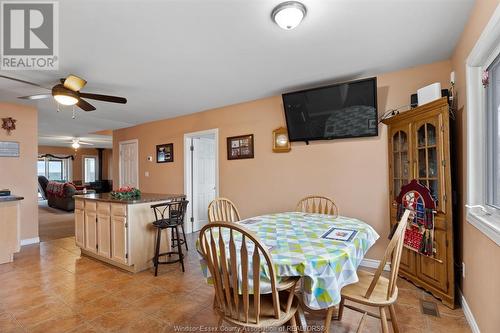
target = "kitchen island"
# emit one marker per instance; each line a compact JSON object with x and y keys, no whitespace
{"x":9,"y":227}
{"x":119,"y":231}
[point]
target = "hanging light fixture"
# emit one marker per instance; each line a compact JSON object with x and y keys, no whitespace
{"x":288,"y":15}
{"x":64,"y":96}
{"x":75,"y":144}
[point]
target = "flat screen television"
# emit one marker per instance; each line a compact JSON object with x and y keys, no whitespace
{"x":344,"y":110}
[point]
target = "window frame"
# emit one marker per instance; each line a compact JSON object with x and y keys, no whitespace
{"x":96,"y":158}
{"x":66,"y":167}
{"x":479,"y":212}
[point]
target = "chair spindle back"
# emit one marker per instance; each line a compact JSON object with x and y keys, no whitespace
{"x":317,"y":204}
{"x":223,"y":209}
{"x":226,"y":247}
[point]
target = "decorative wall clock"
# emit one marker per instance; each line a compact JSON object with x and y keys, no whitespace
{"x":9,"y":124}
{"x":281,"y":144}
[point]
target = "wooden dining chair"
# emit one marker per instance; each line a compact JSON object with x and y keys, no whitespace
{"x":317,"y":204}
{"x":223,"y":209}
{"x":230,"y":250}
{"x":376,"y":290}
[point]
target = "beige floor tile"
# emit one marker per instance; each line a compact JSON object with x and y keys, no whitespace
{"x":50,"y":288}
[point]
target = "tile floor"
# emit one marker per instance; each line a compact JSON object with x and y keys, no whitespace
{"x":51,"y":288}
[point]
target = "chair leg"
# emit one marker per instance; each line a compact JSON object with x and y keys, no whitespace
{"x":293,"y":324}
{"x":394,"y":321}
{"x":328,"y":319}
{"x":157,"y":251}
{"x":179,"y":248}
{"x":184,"y":236}
{"x":383,"y":319}
{"x":341,"y":309}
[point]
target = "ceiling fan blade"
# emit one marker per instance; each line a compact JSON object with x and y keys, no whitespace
{"x":105,"y":98}
{"x":84,"y":105}
{"x":73,"y":82}
{"x":33,"y":97}
{"x":23,"y":81}
{"x":85,"y":143}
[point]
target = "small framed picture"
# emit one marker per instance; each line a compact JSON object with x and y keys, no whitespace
{"x":165,"y":153}
{"x":240,"y":147}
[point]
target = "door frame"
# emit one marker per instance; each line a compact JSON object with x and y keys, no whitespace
{"x":120,"y":144}
{"x":187,"y":171}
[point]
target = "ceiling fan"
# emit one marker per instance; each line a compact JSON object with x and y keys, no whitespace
{"x":76,"y":143}
{"x":67,"y":92}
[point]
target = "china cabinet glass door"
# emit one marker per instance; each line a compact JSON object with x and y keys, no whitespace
{"x":400,"y":161}
{"x":427,"y":157}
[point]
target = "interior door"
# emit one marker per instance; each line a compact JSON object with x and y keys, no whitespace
{"x":129,"y":164}
{"x":204,"y":179}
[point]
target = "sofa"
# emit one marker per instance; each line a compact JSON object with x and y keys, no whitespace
{"x":59,"y":195}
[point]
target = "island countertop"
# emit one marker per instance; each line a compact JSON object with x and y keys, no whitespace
{"x":144,"y":198}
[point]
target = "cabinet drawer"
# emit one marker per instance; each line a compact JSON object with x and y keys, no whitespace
{"x":90,"y":206}
{"x":103,"y":208}
{"x":79,"y":204}
{"x":118,"y":210}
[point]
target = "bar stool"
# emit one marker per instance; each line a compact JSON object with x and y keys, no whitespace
{"x":174,"y":240}
{"x":169,"y":215}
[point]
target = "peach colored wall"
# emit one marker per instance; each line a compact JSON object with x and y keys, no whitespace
{"x":77,"y":162}
{"x":352,"y":171}
{"x":480,"y":254}
{"x":19,"y":173}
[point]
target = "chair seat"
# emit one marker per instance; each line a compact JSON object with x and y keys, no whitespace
{"x":267,"y":318}
{"x":166,"y":223}
{"x":356,"y":291}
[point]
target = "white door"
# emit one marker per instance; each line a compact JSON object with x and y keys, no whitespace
{"x":129,"y":163}
{"x":200,"y":175}
{"x":204,"y":179}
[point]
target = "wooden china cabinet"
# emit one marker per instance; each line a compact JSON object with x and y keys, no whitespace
{"x":419,"y":148}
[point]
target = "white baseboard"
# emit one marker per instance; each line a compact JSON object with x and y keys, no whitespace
{"x":29,"y":241}
{"x":373,"y":263}
{"x":468,"y":313}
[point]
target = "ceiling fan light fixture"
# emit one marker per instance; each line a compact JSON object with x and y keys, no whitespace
{"x":288,"y":15}
{"x":64,"y":96}
{"x":75,"y":145}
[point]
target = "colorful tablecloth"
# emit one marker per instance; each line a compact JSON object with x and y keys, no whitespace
{"x":301,"y":244}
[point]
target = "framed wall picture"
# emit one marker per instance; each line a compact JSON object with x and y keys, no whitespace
{"x":240,"y":147}
{"x":165,"y":153}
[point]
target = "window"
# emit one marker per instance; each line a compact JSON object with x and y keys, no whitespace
{"x":493,"y":134}
{"x":89,"y":169}
{"x":54,"y":168}
{"x":483,"y":131}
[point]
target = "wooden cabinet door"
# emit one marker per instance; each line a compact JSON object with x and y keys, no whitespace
{"x":104,"y":229}
{"x":80,"y":228}
{"x":119,"y":245}
{"x":104,"y":235}
{"x":91,"y":231}
{"x":433,"y":270}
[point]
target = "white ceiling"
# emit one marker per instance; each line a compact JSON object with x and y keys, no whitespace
{"x":171,"y":58}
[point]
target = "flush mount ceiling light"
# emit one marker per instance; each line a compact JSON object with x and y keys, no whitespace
{"x":64,"y":96}
{"x":288,"y":15}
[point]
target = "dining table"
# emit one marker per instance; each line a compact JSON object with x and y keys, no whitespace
{"x":324,"y":250}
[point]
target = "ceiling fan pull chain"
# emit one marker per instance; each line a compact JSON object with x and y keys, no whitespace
{"x":74,"y":113}
{"x":58,"y":107}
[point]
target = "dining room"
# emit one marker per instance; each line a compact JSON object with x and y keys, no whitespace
{"x":299,"y":166}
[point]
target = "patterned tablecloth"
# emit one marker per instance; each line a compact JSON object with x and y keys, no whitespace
{"x":300,"y":245}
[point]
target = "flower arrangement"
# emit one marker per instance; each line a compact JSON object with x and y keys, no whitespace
{"x":126,"y":192}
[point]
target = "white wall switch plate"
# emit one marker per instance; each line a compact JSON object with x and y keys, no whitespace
{"x":146,"y":174}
